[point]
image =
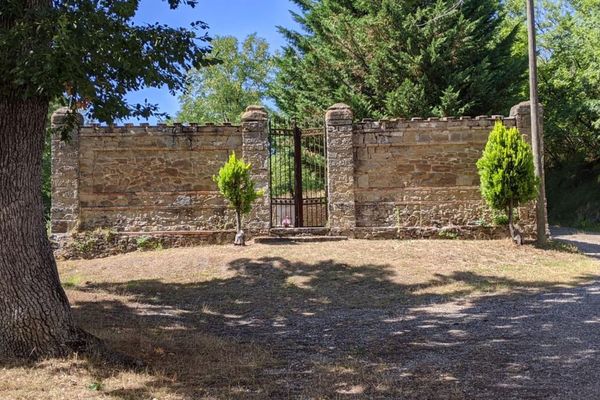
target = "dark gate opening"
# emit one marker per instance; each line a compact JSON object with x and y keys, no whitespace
{"x":298,"y":165}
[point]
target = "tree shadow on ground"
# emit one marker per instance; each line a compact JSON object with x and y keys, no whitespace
{"x":587,"y":242}
{"x":587,"y":248}
{"x":282,"y":329}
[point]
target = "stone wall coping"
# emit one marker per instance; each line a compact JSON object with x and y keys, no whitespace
{"x":58,"y":117}
{"x":339,"y":113}
{"x":160,"y":129}
{"x":196,"y":128}
{"x":255,"y":113}
{"x":432,"y":123}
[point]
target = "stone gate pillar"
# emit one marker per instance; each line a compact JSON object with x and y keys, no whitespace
{"x":65,"y":175}
{"x":522,"y":113}
{"x":340,"y":170}
{"x":255,"y":147}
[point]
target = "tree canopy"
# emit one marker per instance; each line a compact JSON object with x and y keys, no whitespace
{"x":400,"y":58}
{"x":570,"y":79}
{"x":238,"y":77}
{"x":92,"y":50}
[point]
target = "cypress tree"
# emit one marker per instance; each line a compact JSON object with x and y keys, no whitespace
{"x":507,"y":175}
{"x":235,"y":183}
{"x":400,"y":58}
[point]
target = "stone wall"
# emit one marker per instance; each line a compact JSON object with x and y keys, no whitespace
{"x":391,"y":178}
{"x":414,"y":178}
{"x":154,"y":179}
{"x":65,"y":177}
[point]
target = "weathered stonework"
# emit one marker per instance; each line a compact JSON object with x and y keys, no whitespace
{"x":418,"y":178}
{"x":255,"y":145}
{"x":65,"y":175}
{"x":142,"y":178}
{"x":397,"y":178}
{"x":105,"y":243}
{"x":340,"y":170}
{"x":413,"y":178}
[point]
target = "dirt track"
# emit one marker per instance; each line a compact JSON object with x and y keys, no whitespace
{"x":587,"y":242}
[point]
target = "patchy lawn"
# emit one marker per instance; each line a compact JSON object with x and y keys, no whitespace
{"x":356,"y":319}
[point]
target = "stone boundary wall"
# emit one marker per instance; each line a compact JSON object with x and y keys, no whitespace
{"x":396,"y":178}
{"x":414,"y":178}
{"x":154,"y":179}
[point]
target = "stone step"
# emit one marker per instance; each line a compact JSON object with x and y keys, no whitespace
{"x":282,"y":232}
{"x":297,"y":239}
{"x":195,"y":234}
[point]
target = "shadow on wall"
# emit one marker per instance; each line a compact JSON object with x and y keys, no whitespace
{"x":281,"y":329}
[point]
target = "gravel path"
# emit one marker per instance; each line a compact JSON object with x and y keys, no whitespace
{"x":543,"y":345}
{"x":587,"y":242}
{"x":540,"y":346}
{"x":489,"y":320}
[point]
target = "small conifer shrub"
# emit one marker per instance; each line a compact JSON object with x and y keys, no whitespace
{"x":507,"y":173}
{"x":238,"y":188}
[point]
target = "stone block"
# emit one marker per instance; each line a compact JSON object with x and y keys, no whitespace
{"x":339,"y":114}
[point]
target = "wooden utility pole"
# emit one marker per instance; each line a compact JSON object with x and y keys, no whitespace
{"x":536,"y":140}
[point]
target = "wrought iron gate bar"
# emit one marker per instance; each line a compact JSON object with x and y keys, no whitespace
{"x":298,"y":175}
{"x":298,"y":188}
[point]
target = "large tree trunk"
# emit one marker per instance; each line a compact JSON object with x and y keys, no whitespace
{"x":35,"y":316}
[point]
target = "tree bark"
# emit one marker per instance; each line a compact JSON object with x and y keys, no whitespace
{"x":238,"y":220}
{"x":515,"y":233}
{"x":240,"y":237}
{"x":35,"y":316}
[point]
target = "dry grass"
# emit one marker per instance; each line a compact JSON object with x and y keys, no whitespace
{"x":277,"y":321}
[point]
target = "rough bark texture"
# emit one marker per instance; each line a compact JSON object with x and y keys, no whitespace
{"x":35,"y":316}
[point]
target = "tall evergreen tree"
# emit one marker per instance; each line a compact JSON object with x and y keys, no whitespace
{"x":400,"y":58}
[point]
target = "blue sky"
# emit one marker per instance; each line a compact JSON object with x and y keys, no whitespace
{"x":225,"y":17}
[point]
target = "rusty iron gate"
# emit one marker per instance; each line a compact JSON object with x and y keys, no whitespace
{"x":298,"y":165}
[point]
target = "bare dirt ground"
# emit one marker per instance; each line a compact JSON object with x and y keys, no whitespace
{"x":587,"y":242}
{"x":342,"y":320}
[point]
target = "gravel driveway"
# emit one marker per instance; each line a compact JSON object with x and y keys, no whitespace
{"x":543,"y":346}
{"x":418,"y":320}
{"x":540,"y":346}
{"x":587,"y":242}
